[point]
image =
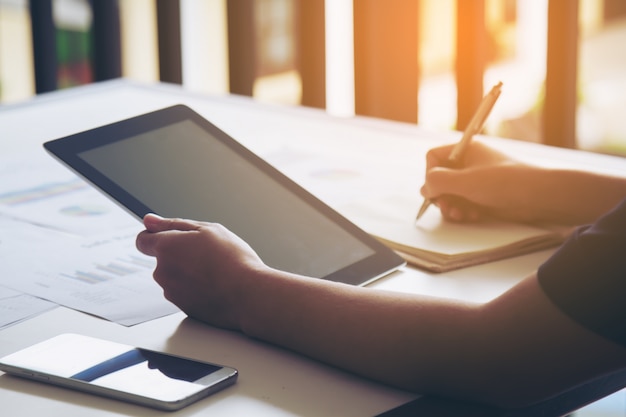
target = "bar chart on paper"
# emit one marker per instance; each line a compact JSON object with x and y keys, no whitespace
{"x":103,"y":272}
{"x":103,"y":275}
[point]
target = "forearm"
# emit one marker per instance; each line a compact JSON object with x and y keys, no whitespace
{"x":575,"y":197}
{"x":403,"y":340}
{"x":512,"y":351}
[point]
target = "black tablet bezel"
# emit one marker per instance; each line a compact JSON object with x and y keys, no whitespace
{"x":67,"y":150}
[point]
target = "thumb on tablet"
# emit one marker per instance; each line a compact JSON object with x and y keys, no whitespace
{"x":155,"y":223}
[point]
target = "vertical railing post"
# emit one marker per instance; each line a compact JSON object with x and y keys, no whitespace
{"x":241,"y":46}
{"x":471,"y":47}
{"x":386,"y":58}
{"x":168,"y":28}
{"x":559,"y":112}
{"x":106,"y":54}
{"x":44,"y":45}
{"x":311,"y":51}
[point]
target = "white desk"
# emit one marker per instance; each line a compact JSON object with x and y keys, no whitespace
{"x":273,"y":382}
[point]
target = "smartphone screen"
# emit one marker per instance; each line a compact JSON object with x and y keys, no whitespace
{"x":115,"y":370}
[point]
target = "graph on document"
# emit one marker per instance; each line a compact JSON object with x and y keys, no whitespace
{"x":102,"y":274}
{"x":107,"y":271}
{"x":58,"y":200}
{"x":41,"y":192}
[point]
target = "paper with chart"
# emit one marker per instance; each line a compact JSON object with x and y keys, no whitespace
{"x":63,"y":241}
{"x":39,"y":190}
{"x":103,"y":275}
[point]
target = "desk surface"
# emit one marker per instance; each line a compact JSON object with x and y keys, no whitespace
{"x":272,"y":382}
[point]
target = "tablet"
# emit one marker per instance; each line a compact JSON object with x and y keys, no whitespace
{"x":175,"y":163}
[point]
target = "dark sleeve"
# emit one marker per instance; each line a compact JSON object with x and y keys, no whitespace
{"x":586,"y":277}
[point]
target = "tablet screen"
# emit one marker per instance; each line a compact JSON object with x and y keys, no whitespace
{"x":183,"y":169}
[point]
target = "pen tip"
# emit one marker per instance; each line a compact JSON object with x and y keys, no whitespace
{"x":422,"y":209}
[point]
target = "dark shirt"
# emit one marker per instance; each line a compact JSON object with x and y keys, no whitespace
{"x":586,"y":277}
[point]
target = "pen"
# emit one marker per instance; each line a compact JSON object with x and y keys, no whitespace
{"x":475,"y":125}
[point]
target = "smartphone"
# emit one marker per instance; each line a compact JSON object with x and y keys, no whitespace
{"x":146,"y":377}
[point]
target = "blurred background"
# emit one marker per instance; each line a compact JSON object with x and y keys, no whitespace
{"x":562,"y":62}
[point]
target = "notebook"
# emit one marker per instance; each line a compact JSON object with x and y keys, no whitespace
{"x":438,"y":245}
